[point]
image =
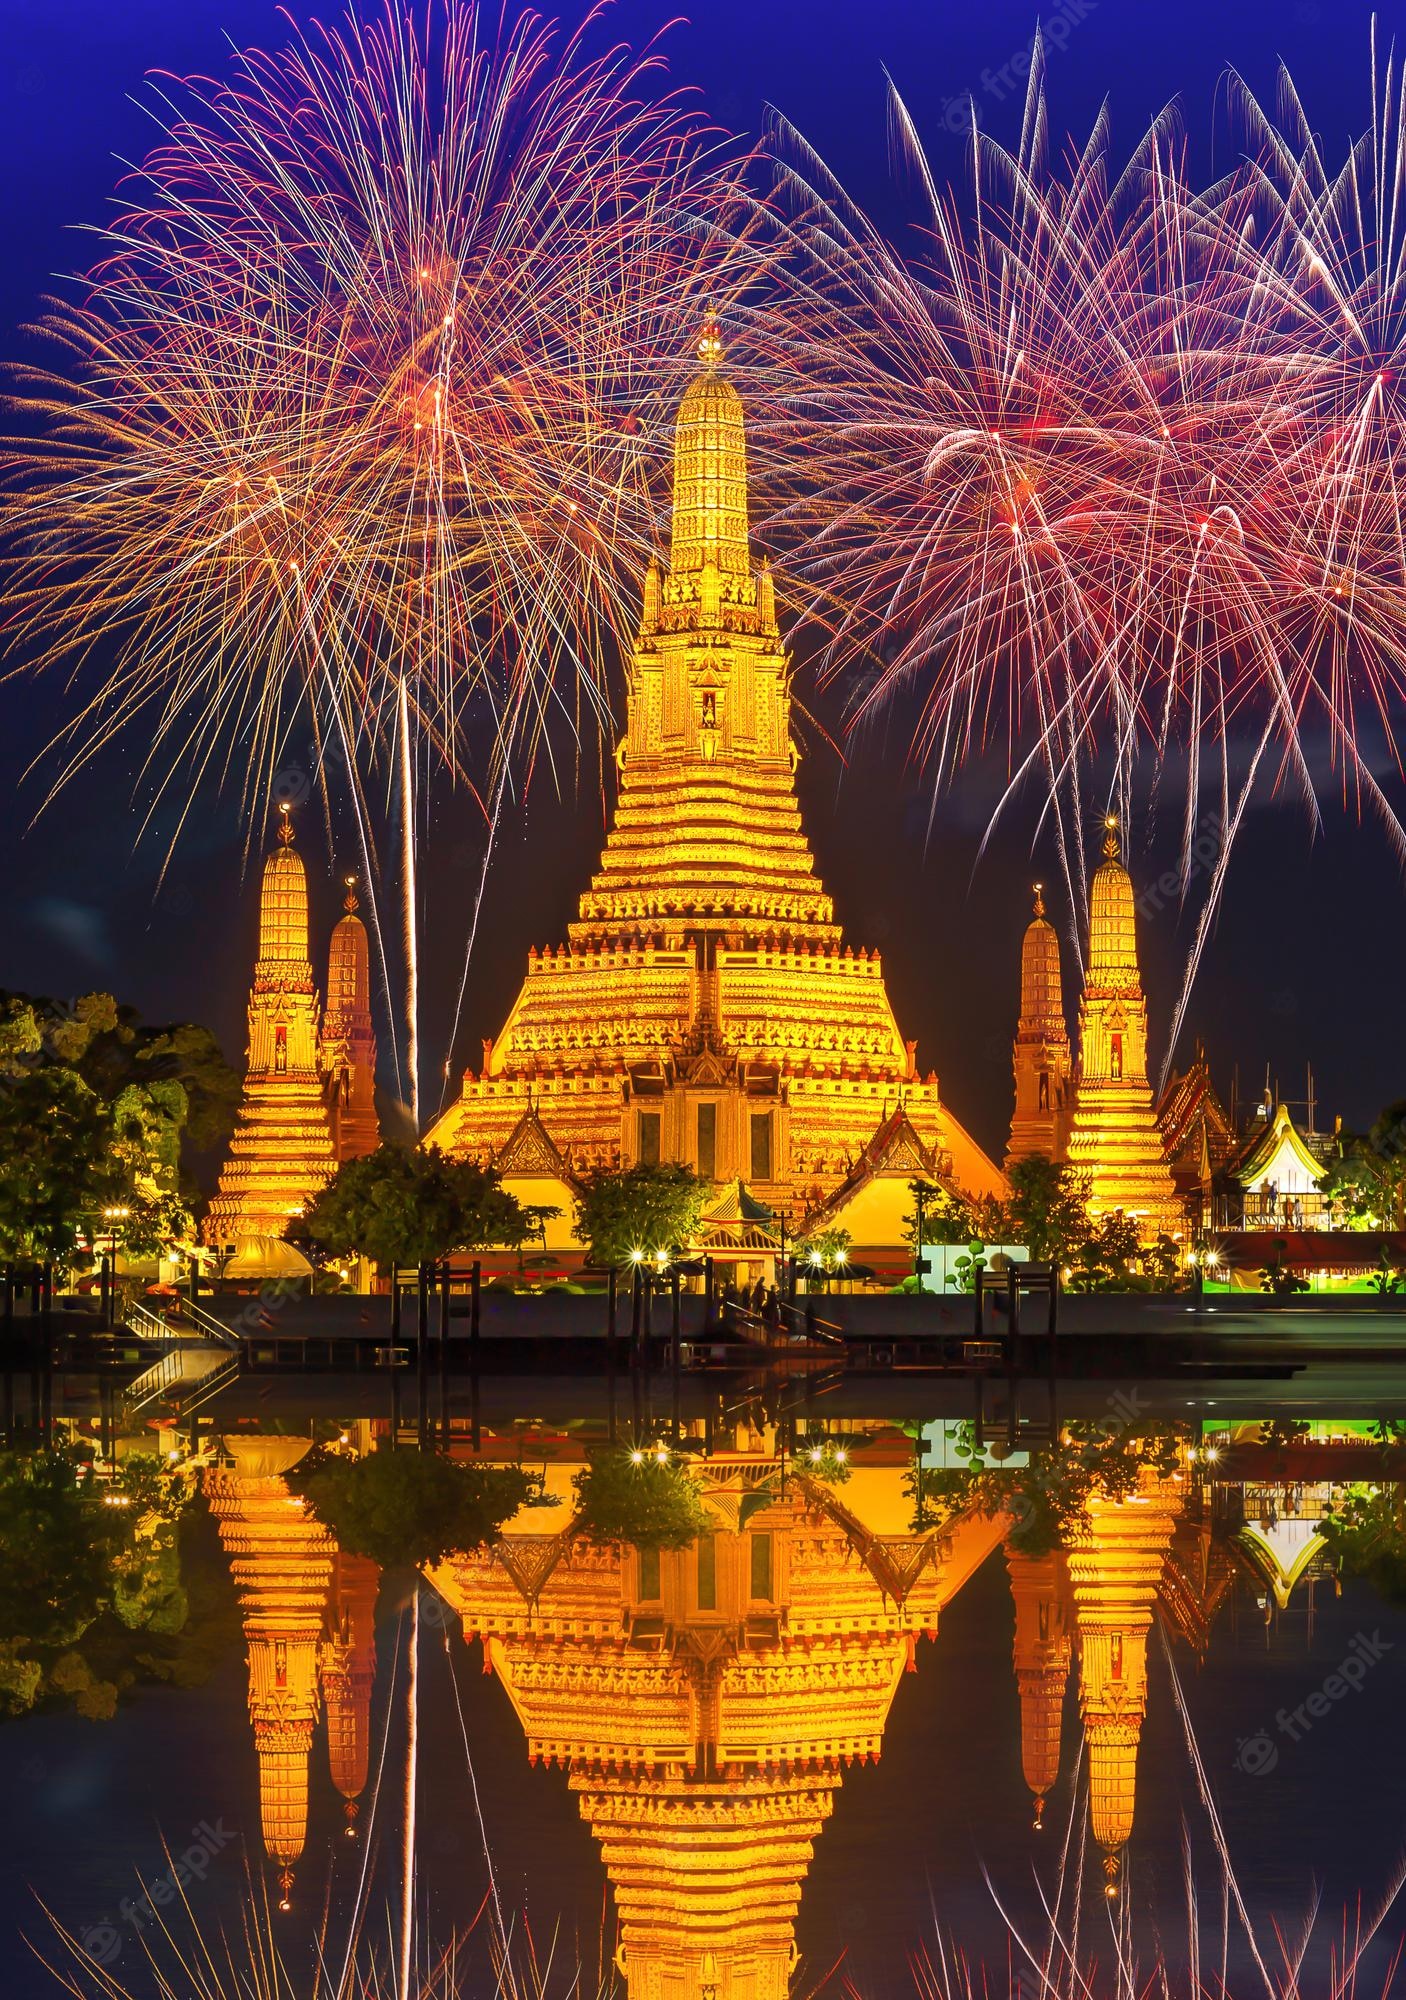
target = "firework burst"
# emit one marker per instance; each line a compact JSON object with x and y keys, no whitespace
{"x":1112,"y":474}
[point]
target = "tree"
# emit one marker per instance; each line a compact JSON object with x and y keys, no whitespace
{"x":1278,"y":1277}
{"x":623,"y":1209}
{"x":408,"y":1508}
{"x":1048,"y":1209}
{"x":947,"y":1217}
{"x":95,"y":1109}
{"x":414,"y":1205}
{"x":1102,"y":1260}
{"x":55,"y":1143}
{"x":645,"y":1498}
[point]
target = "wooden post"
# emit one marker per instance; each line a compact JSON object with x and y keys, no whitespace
{"x":422,"y":1356}
{"x":444,"y":1354}
{"x":676,"y":1352}
{"x":475,"y":1285}
{"x":47,"y":1324}
{"x":612,"y":1304}
{"x":395,"y":1355}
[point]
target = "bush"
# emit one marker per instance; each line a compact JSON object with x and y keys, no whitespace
{"x":639,"y":1498}
{"x":409,"y":1508}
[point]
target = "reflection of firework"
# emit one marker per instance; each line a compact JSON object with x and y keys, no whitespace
{"x":357,"y":391}
{"x":1114,"y":464}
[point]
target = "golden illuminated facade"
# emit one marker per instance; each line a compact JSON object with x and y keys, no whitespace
{"x":1117,"y":1559}
{"x":347,"y":1672}
{"x":705,"y":1701}
{"x":1040,"y":1056}
{"x":705,"y":1007}
{"x":349,"y":1039}
{"x":1114,"y":1136}
{"x":281,"y":1560}
{"x":281,"y":1153}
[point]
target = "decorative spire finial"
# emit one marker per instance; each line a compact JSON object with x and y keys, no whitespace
{"x":349,"y":901}
{"x":1111,"y":844}
{"x":710,"y":342}
{"x":1039,"y":900}
{"x":285,"y":823}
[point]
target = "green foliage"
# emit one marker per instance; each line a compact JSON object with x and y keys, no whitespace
{"x":1047,"y":1210}
{"x":947,"y":1217}
{"x":94,"y":1588}
{"x":1366,"y":1536}
{"x":1277,"y":1277}
{"x":94,"y":1108}
{"x":55,"y":1140}
{"x":1048,"y":1497}
{"x":406,"y":1509}
{"x":962,"y":1275}
{"x":1102,"y":1261}
{"x":414,"y":1205}
{"x":638,"y":1497}
{"x":623,"y":1209}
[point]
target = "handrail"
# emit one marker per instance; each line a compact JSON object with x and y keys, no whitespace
{"x":206,"y":1323}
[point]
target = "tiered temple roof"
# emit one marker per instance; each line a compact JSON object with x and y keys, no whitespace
{"x":706,"y":1008}
{"x":1040,"y":1056}
{"x":1114,"y":1136}
{"x":281,"y":1152}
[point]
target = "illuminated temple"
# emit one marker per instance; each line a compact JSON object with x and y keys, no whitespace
{"x":309,"y":1081}
{"x":1114,"y":1136}
{"x":706,"y":1008}
{"x":705,"y":1702}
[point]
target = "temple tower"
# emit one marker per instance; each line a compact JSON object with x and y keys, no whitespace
{"x":1040,"y":1054}
{"x":705,"y":1702}
{"x":1114,"y":1136}
{"x":1043,"y":1653}
{"x":347,"y":1673}
{"x":1116,"y":1560}
{"x":349,"y":1039}
{"x":281,"y":1560}
{"x":706,"y":1008}
{"x":281,"y":1152}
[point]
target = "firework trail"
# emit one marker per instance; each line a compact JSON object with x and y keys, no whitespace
{"x":1111,"y":466}
{"x":354,"y":414}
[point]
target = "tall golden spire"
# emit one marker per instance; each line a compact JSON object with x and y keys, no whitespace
{"x":710,"y":471}
{"x":349,"y":1036}
{"x":1116,"y":1559}
{"x":1040,"y":1058}
{"x":347,"y":1673}
{"x":1114,"y":1136}
{"x":706,"y":1007}
{"x":281,"y":1559}
{"x":281,"y":1152}
{"x":1042,"y":1655}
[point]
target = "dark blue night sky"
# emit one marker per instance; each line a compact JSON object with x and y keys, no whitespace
{"x":1310,"y":958}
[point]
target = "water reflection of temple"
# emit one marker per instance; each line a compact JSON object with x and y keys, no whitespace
{"x":706,"y":1701}
{"x":308,"y":1613}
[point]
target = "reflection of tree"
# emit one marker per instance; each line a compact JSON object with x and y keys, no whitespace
{"x":1366,"y":1537}
{"x":1048,"y":1497}
{"x":405,"y":1508}
{"x":99,"y":1591}
{"x":645,"y":1498}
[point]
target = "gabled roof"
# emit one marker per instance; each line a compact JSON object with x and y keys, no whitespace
{"x":894,"y":1149}
{"x":530,"y":1149}
{"x":1279,"y":1134}
{"x":1195,"y":1126}
{"x":737,"y":1221}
